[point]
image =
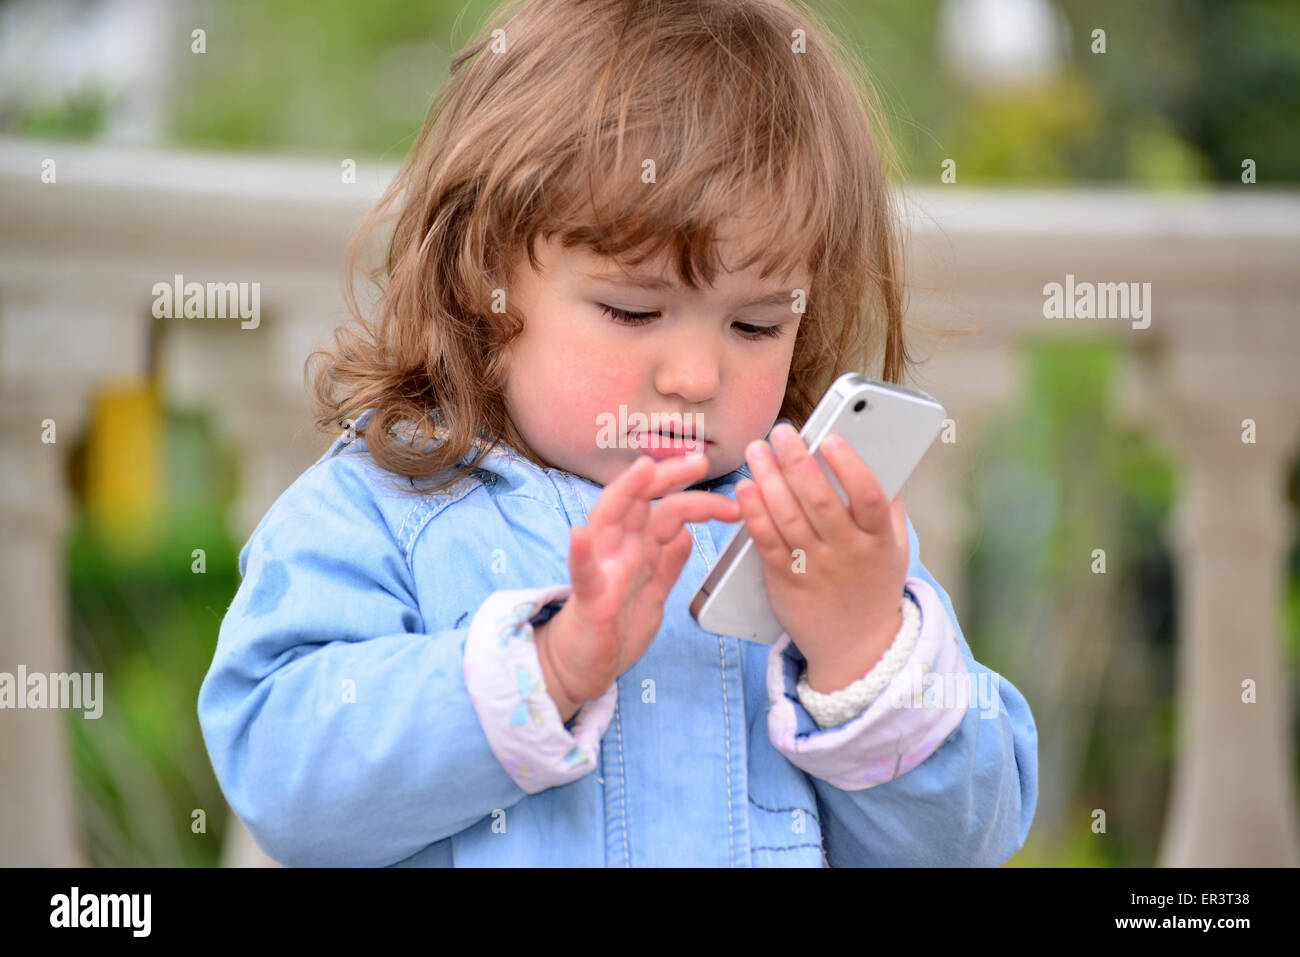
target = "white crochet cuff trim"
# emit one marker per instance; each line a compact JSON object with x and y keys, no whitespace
{"x":839,"y":707}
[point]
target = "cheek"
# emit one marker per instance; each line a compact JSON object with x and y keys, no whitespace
{"x":572,"y":379}
{"x":595,"y":388}
{"x":763,"y":388}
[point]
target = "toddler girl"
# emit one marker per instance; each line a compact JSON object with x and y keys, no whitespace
{"x":629,"y":238}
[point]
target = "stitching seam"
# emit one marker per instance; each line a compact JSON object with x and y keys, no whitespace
{"x":726,"y":716}
{"x":782,"y":810}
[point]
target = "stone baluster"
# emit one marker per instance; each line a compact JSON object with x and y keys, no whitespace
{"x":38,"y":826}
{"x":1232,"y":801}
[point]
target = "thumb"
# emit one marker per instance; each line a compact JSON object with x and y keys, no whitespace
{"x":898,"y":519}
{"x":671,"y":559}
{"x":586,"y":578}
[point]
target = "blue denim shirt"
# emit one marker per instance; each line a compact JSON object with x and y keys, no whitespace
{"x":346,"y":725}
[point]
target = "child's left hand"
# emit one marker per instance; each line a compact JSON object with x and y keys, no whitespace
{"x":840,"y":601}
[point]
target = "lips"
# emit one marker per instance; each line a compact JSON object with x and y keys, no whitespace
{"x":679,"y":433}
{"x":667,"y":440}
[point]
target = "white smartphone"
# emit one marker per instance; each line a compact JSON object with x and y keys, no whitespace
{"x":889,"y":426}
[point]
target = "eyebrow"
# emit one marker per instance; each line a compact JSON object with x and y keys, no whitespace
{"x":652,"y":283}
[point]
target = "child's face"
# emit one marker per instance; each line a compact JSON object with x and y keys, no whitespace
{"x":574,"y":366}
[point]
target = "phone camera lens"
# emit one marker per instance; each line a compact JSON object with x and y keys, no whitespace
{"x":860,"y":405}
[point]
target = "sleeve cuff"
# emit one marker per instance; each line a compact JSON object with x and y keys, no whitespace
{"x":838,"y":707}
{"x":520,"y":720}
{"x":906,"y":722}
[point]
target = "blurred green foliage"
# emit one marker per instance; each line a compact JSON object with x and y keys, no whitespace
{"x":1185,"y":90}
{"x":80,"y":116}
{"x":313,"y":76}
{"x":150,"y":625}
{"x":1183,"y":93}
{"x":1060,"y":477}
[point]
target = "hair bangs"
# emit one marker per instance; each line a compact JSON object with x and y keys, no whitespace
{"x":655,"y":213}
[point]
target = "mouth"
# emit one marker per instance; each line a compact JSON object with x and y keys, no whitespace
{"x":664,"y":440}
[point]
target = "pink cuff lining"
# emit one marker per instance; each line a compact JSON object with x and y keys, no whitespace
{"x":902,"y":727}
{"x":504,"y":677}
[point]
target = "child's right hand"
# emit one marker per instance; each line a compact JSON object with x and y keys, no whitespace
{"x":623,"y":563}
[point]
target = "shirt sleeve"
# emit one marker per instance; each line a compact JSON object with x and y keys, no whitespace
{"x":898,"y":729}
{"x":957,"y":788}
{"x":340,"y":730}
{"x":503,"y":676}
{"x":840,"y":707}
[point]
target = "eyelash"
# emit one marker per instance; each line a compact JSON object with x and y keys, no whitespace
{"x":623,"y":317}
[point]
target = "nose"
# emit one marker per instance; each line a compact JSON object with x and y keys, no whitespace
{"x":689,"y":368}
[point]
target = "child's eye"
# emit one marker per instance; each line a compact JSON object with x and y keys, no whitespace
{"x":759,"y":332}
{"x":623,"y":317}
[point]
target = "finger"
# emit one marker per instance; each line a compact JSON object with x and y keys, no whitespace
{"x":772,"y":547}
{"x":784,"y":508}
{"x":868,"y":506}
{"x":898,"y":517}
{"x":613,"y":503}
{"x":822,"y":506}
{"x":667,"y":516}
{"x":671,"y":559}
{"x":680,"y":470}
{"x":671,"y":474}
{"x":644,"y":480}
{"x":584,"y":575}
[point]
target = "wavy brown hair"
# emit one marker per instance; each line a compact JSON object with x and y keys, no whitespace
{"x":544,"y":128}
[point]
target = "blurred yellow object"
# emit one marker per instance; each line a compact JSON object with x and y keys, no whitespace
{"x":124,"y":467}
